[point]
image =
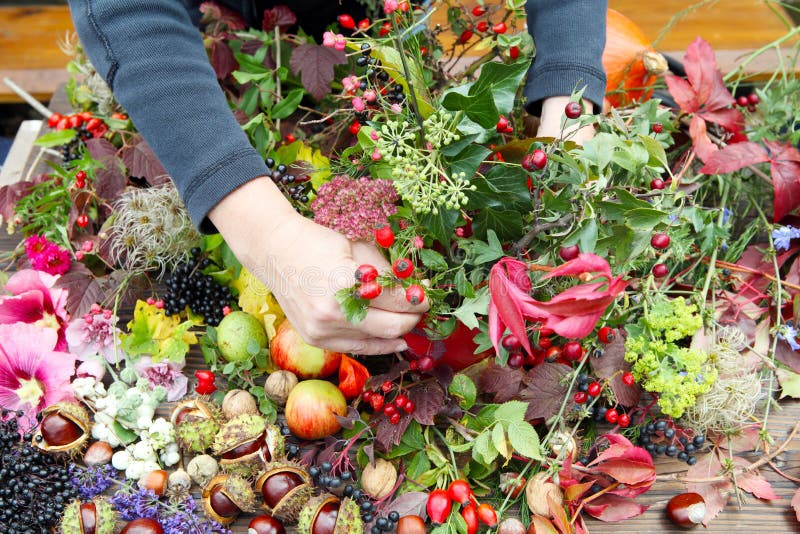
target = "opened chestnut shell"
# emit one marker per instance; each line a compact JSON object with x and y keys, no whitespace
{"x":143,"y":526}
{"x":326,"y":514}
{"x":226,"y":496}
{"x":64,"y":428}
{"x":285,"y":488}
{"x":93,"y":517}
{"x":246,"y":443}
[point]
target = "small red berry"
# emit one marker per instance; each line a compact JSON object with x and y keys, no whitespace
{"x":415,"y":294}
{"x":502,"y":124}
{"x":482,"y":26}
{"x":54,"y":119}
{"x":658,"y":127}
{"x":628,"y":379}
{"x":377,"y":402}
{"x":460,"y":492}
{"x":366,"y":273}
{"x":400,"y":400}
{"x":409,"y":406}
{"x":513,"y":52}
{"x":594,"y":389}
{"x":386,"y":29}
{"x":606,"y":334}
{"x":545,"y":342}
{"x":465,"y":36}
{"x":487,"y":514}
{"x":511,"y":342}
{"x":742,"y":101}
{"x":369,"y":290}
{"x":751,"y":108}
{"x":290,"y":138}
{"x":657,"y":183}
{"x":74,"y":121}
{"x":85,"y":115}
{"x":478,"y":11}
{"x":367,"y":395}
{"x":384,"y":236}
{"x":552,"y":354}
{"x":389,"y":410}
{"x":573,"y":110}
{"x":159,"y":304}
{"x":394,"y":419}
{"x":660,"y":270}
{"x":572,"y":351}
{"x":659,"y":241}
{"x":387,"y":386}
{"x":93,"y":124}
{"x":355,"y":127}
{"x":226,"y":310}
{"x":63,"y":124}
{"x":346,"y":21}
{"x":753,"y":99}
{"x":403,"y":268}
{"x":624,"y":420}
{"x":539,"y":159}
{"x":569,"y":253}
{"x":81,"y":176}
{"x":500,"y":27}
{"x":423,"y":51}
{"x":82,"y":220}
{"x":612,"y":416}
{"x":516,"y":360}
{"x":79,"y":255}
{"x":580,"y":397}
{"x":426,"y":364}
{"x":363,"y":24}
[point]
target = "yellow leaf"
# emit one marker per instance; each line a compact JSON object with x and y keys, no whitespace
{"x":316,"y":165}
{"x":257,"y":300}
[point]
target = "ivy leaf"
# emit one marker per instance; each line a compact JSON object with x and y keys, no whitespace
{"x":428,"y":400}
{"x":432,"y":259}
{"x":544,"y":390}
{"x":479,"y":107}
{"x":490,"y":251}
{"x":525,"y":440}
{"x":314,"y":64}
{"x":471,"y":307}
{"x":442,"y":224}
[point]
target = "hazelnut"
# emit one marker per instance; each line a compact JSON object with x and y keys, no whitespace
{"x":238,"y":402}
{"x":279,"y":384}
{"x":687,"y":509}
{"x":379,"y":479}
{"x":98,"y":453}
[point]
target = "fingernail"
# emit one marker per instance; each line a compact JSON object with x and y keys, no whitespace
{"x":402,"y":347}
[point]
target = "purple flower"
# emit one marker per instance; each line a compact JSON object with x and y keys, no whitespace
{"x":166,"y":374}
{"x":93,"y":334}
{"x":782,"y":237}
{"x":93,"y":480}
{"x":355,"y":207}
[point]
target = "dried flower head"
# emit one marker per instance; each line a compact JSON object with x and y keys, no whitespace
{"x":354,"y":207}
{"x":151,"y":229}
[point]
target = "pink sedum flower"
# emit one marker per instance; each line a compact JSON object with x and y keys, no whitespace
{"x":47,"y":256}
{"x":33,"y":373}
{"x":166,"y":374}
{"x":94,"y":333}
{"x":34,"y":300}
{"x":355,"y":207}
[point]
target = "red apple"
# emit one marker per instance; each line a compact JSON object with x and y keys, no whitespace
{"x":291,"y":353}
{"x":310,"y":408}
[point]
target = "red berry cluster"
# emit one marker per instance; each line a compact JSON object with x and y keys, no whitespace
{"x":440,"y":504}
{"x":94,"y":126}
{"x":504,"y":125}
{"x":392,"y":409}
{"x":748,"y":101}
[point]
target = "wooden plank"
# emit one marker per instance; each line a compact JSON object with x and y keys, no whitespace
{"x":29,"y":36}
{"x":40,"y":83}
{"x":16,"y":165}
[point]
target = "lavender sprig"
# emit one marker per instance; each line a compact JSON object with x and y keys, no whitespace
{"x":93,"y":480}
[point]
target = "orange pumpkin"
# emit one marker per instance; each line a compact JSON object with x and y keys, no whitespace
{"x":631,"y":63}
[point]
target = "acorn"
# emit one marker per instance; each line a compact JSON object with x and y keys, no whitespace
{"x":65,"y":427}
{"x":326,"y":514}
{"x":226,"y":496}
{"x":285,"y":487}
{"x":246,"y":443}
{"x":238,"y":402}
{"x":143,"y":526}
{"x":94,"y":517}
{"x":197,"y":423}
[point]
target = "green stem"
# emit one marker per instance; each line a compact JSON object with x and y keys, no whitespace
{"x":749,"y":59}
{"x":452,"y":454}
{"x":413,"y":94}
{"x":713,"y":262}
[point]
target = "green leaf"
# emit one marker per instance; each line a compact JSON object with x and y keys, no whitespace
{"x":125,"y":436}
{"x":645,"y":218}
{"x":525,"y":440}
{"x":655,"y":150}
{"x":354,"y":309}
{"x":59,"y":138}
{"x":253,"y":347}
{"x":790,"y":383}
{"x":464,"y":288}
{"x":479,"y":106}
{"x":511,"y":411}
{"x":499,"y":441}
{"x":413,"y":436}
{"x":585,"y":236}
{"x":507,"y":223}
{"x":441,"y":224}
{"x":501,"y":82}
{"x":471,"y":307}
{"x":268,"y":409}
{"x":487,"y":252}
{"x":432,"y":259}
{"x":483,"y":450}
{"x":288,"y":105}
{"x":501,"y":188}
{"x":464,"y":388}
{"x":418,"y":465}
{"x":454,"y":149}
{"x":468,"y":160}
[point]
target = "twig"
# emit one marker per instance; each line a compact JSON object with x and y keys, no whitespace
{"x":781,"y":473}
{"x":520,"y":245}
{"x":27,"y":97}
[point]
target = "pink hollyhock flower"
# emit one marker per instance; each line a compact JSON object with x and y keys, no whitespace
{"x":33,"y":300}
{"x":93,"y":367}
{"x":355,"y":207}
{"x":34,"y":374}
{"x":93,"y":334}
{"x":573,"y":313}
{"x":166,"y":374}
{"x":47,"y":256}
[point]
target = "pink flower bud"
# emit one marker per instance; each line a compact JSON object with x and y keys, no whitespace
{"x":329,"y":39}
{"x":374,"y":135}
{"x":95,"y":308}
{"x":87,"y":246}
{"x":376,"y":154}
{"x":396,"y":108}
{"x":370,"y":96}
{"x":340,"y":43}
{"x":358,"y":104}
{"x":418,"y":242}
{"x":79,"y":255}
{"x":350,"y":83}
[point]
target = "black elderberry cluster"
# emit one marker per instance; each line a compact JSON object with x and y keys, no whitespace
{"x":377,"y":77}
{"x":34,"y":487}
{"x":682,"y":448}
{"x":188,"y":286}
{"x":294,"y":187}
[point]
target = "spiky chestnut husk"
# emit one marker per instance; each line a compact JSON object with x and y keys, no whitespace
{"x":196,"y":435}
{"x":256,"y":442}
{"x":236,"y":489}
{"x":73,"y":413}
{"x":348,"y":519}
{"x":288,"y":508}
{"x":106,"y":517}
{"x":197,"y":409}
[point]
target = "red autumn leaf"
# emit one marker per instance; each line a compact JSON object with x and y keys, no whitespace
{"x":576,"y":490}
{"x":428,"y":400}
{"x":734,"y":157}
{"x":352,"y":377}
{"x":703,"y":146}
{"x":573,"y":313}
{"x":682,"y":92}
{"x":628,"y":471}
{"x":504,"y":382}
{"x":785,"y":171}
{"x":10,"y":195}
{"x":213,"y":12}
{"x":796,"y":503}
{"x":314,"y":64}
{"x":559,"y":515}
{"x":612,"y":508}
{"x":714,"y":493}
{"x":609,"y":366}
{"x":142,"y":162}
{"x":753,"y":481}
{"x":542,"y":525}
{"x":544,"y":391}
{"x":280,"y":16}
{"x":222,"y":59}
{"x":744,"y":440}
{"x":626,"y":463}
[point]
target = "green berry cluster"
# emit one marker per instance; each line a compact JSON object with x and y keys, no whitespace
{"x":663,"y":362}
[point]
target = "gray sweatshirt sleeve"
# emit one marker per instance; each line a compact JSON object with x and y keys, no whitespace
{"x":569,"y":36}
{"x":153,"y":58}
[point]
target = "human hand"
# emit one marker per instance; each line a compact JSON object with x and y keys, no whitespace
{"x":304,"y":264}
{"x":553,"y":119}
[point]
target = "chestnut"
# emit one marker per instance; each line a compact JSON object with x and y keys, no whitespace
{"x":226,"y":496}
{"x":278,"y":485}
{"x":325,"y":522}
{"x":266,"y":524}
{"x":59,"y":431}
{"x":246,"y":448}
{"x":143,"y":526}
{"x":221,"y":504}
{"x":64,"y":428}
{"x":411,"y":524}
{"x":284,"y":487}
{"x":687,"y":509}
{"x":88,"y":516}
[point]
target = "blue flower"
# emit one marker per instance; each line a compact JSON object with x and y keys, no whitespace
{"x":782,"y":237}
{"x":788,"y":333}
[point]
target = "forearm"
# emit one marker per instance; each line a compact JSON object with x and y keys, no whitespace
{"x":154,"y":60}
{"x":569,"y":36}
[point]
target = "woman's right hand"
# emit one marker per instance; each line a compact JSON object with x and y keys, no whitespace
{"x":305,"y":264}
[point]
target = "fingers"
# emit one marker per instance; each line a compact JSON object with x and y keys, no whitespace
{"x":387,"y":325}
{"x":393,"y":299}
{"x":366,"y":346}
